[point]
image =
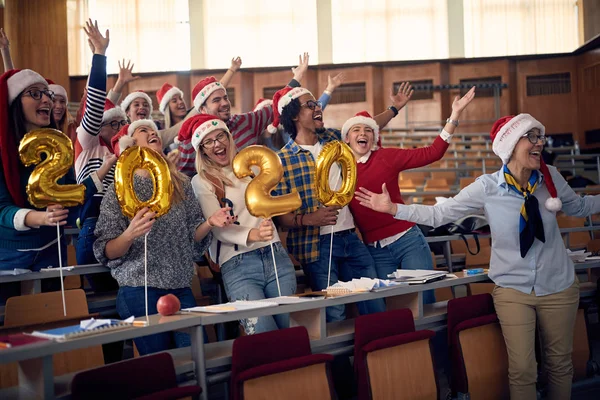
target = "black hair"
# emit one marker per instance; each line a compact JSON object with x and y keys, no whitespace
{"x":17,"y":121}
{"x":288,"y":114}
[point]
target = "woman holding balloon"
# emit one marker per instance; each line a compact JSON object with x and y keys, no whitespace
{"x":253,"y":262}
{"x":171,"y":235}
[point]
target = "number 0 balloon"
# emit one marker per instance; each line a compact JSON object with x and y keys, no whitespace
{"x":143,"y":158}
{"x":42,"y":187}
{"x":332,"y":152}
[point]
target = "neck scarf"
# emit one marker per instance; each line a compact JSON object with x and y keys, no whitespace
{"x":530,"y":220}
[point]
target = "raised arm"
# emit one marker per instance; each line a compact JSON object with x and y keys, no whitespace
{"x":236,"y":63}
{"x":125,"y":76}
{"x":332,"y":84}
{"x":399,"y":100}
{"x":572,"y":203}
{"x":5,"y":50}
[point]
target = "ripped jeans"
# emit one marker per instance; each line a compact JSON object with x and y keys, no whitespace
{"x":251,"y":276}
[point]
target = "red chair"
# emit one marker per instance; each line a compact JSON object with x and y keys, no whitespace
{"x":150,"y":377}
{"x":279,"y":364}
{"x":391,"y":360}
{"x":477,"y":349}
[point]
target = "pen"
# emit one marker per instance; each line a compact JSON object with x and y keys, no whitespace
{"x":5,"y":345}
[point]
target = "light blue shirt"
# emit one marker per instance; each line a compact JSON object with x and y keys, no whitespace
{"x":546,"y":268}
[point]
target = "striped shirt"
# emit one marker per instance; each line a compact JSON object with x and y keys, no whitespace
{"x":299,"y":176}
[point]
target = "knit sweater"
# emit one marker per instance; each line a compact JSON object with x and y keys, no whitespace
{"x":171,"y":245}
{"x":232,"y":235}
{"x":383,"y":166}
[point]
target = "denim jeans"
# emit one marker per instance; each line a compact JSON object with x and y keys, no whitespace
{"x":251,"y":276}
{"x":131,"y":302}
{"x":84,"y":250}
{"x":33,"y":260}
{"x":350,"y":259}
{"x":411,"y":251}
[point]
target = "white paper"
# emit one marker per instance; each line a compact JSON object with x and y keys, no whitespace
{"x":233,"y":306}
{"x":89,"y":324}
{"x":415,"y":273}
{"x":16,"y":271}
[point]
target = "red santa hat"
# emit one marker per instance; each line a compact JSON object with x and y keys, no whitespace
{"x":136,"y":95}
{"x":262,"y":103}
{"x":111,"y":111}
{"x":124,"y":138}
{"x":165,"y":94}
{"x":281,"y":99}
{"x":365,"y":118}
{"x":12,"y":83}
{"x":58,"y":90}
{"x":505,"y":134}
{"x":199,"y":126}
{"x":204,"y":89}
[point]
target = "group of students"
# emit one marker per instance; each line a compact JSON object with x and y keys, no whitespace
{"x":208,"y":211}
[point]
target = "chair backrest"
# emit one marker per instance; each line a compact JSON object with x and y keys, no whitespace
{"x":436,"y":184}
{"x":44,"y":307}
{"x":268,"y":347}
{"x":418,"y":177}
{"x":131,"y":378}
{"x":406,"y":185}
{"x":479,"y":260}
{"x":449,"y":176}
{"x":460,"y":247}
{"x":464,"y":182}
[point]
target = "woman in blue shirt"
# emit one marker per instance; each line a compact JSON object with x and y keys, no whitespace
{"x":535,"y":278}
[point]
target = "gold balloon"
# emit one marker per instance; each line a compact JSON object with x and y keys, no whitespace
{"x":259,"y":201}
{"x":339,"y":152}
{"x":42,"y":188}
{"x":143,"y":158}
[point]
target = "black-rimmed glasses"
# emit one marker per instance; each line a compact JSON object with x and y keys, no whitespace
{"x":312,"y":104}
{"x":36,"y":94}
{"x":115,"y":125}
{"x":534,"y":137}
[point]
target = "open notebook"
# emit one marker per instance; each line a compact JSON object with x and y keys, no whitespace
{"x":76,"y":331}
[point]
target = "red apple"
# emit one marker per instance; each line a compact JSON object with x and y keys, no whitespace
{"x":168,"y":305}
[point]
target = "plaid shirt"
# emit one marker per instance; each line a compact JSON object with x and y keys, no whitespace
{"x":299,"y":176}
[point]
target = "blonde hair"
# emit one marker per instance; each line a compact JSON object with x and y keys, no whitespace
{"x":168,"y":122}
{"x":178,"y":180}
{"x":205,"y":166}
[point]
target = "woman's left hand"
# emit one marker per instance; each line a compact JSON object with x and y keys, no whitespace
{"x":221,"y":218}
{"x":379,"y":202}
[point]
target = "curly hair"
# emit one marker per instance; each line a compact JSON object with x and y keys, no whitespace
{"x":290,"y":112}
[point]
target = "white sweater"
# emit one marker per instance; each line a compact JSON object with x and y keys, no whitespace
{"x":233,"y":234}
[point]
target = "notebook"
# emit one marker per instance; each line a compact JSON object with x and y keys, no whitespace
{"x":233,"y":306}
{"x":76,"y":331}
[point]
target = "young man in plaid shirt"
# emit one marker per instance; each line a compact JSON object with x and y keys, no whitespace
{"x":310,"y":226}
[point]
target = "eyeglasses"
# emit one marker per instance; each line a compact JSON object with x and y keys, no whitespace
{"x":312,"y":104}
{"x":533,"y":137}
{"x":36,"y":94}
{"x":210,"y":143}
{"x":116,"y":125}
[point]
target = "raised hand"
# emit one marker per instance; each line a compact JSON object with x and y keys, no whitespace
{"x":405,"y":92}
{"x":125,"y":75}
{"x":236,"y":64}
{"x":460,"y":103}
{"x":4,"y":43}
{"x":97,"y":42}
{"x":300,"y":70}
{"x":335,"y":82}
{"x":221,"y":218}
{"x":379,"y":202}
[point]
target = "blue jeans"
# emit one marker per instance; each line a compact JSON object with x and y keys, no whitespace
{"x":411,"y":251}
{"x":251,"y":276}
{"x":130,"y":302}
{"x":350,"y":259}
{"x":84,"y":250}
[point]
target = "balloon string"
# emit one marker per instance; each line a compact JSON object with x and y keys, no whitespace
{"x":146,"y":274}
{"x":60,"y":271}
{"x":330,"y":253}
{"x":275,"y":266}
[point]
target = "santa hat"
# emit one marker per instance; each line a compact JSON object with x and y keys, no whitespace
{"x":124,"y":138}
{"x":111,"y":111}
{"x":505,"y":134}
{"x":165,"y":94}
{"x":199,"y":126}
{"x":136,"y":95}
{"x":58,"y":90}
{"x":281,"y":99}
{"x":365,"y":118}
{"x":204,"y":89}
{"x":262,"y":103}
{"x":12,"y":84}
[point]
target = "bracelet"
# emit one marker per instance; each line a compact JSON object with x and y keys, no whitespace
{"x":302,"y":219}
{"x":327,"y":92}
{"x":296,"y":221}
{"x":452,"y":121}
{"x":394,"y":110}
{"x":208,"y":223}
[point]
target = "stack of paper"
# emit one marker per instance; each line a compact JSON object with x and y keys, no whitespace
{"x":233,"y":306}
{"x":417,"y":275}
{"x":578,"y":256}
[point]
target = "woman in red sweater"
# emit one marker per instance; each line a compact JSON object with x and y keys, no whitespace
{"x":393,"y":243}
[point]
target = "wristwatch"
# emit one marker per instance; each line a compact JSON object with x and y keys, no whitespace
{"x":452,"y":121}
{"x":394,"y":110}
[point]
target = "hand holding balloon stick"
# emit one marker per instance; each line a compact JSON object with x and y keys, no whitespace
{"x":258,"y":197}
{"x":43,"y":190}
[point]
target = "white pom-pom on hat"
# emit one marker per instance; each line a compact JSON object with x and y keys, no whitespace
{"x":553,"y":204}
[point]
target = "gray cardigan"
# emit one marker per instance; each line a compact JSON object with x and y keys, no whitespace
{"x":171,"y":246}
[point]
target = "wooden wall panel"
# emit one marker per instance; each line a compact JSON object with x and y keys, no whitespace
{"x":482,"y":109}
{"x":558,"y":112}
{"x":420,"y":112}
{"x":37,"y":30}
{"x":280,"y":78}
{"x":588,"y":92}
